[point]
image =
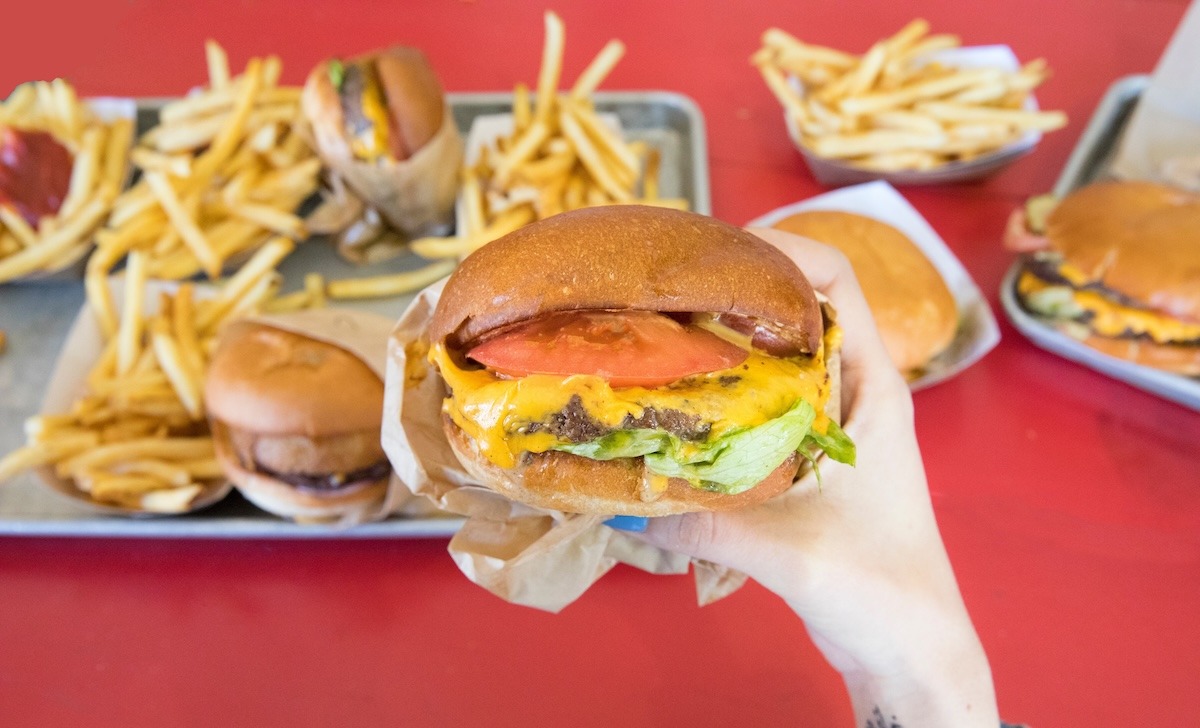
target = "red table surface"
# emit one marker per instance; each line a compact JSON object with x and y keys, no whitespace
{"x":1069,"y":502}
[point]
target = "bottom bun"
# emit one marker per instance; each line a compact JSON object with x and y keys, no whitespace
{"x":354,"y":502}
{"x":1177,"y":358}
{"x":564,"y":482}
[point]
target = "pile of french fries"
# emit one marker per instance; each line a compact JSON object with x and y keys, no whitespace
{"x":223,"y":171}
{"x":561,"y":155}
{"x":100,"y":164}
{"x":138,"y":438}
{"x":894,"y":108}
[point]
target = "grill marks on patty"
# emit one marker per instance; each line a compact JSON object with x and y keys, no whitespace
{"x":574,"y":424}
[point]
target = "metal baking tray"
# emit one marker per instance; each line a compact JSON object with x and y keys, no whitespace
{"x":1089,"y":162}
{"x":36,"y":319}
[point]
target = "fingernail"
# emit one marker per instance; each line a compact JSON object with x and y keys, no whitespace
{"x":637,"y":524}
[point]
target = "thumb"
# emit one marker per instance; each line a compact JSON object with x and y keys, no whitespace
{"x":722,"y":538}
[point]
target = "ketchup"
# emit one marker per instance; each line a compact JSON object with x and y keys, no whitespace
{"x":35,"y":173}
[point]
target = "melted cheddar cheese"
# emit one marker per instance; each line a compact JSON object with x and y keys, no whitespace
{"x":372,"y":142}
{"x":1110,"y":318}
{"x":496,"y":412}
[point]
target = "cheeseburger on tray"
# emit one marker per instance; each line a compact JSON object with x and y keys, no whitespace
{"x":296,"y":424}
{"x":1117,"y":265}
{"x":635,"y":360}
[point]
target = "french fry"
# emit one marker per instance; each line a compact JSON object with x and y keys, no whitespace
{"x":218,"y":64}
{"x":591,"y":158}
{"x":175,"y":500}
{"x":836,"y":146}
{"x":42,"y":453}
{"x":314,"y":286}
{"x":178,"y":215}
{"x":597,"y":70}
{"x":522,"y":112}
{"x":294,"y":301}
{"x":21,"y":230}
{"x":1016,"y":119}
{"x":53,"y":244}
{"x":183,"y":380}
{"x":551,"y":70}
{"x":390,"y":285}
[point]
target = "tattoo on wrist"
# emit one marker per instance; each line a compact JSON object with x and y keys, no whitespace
{"x":877,"y":720}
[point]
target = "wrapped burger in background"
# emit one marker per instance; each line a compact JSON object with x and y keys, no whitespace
{"x":382,"y":127}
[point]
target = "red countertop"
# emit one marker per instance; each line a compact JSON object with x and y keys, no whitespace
{"x":1069,"y":502}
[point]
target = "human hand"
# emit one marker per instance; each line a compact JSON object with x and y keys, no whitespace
{"x":859,"y":558}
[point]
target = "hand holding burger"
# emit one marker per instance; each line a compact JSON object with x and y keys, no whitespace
{"x":859,"y":558}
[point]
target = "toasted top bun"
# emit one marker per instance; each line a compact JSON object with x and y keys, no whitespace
{"x":912,"y":306}
{"x":1139,"y":239}
{"x":412,"y":91}
{"x":272,"y":382}
{"x":624,"y":257}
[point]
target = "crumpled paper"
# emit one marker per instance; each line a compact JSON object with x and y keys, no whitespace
{"x":524,"y":555}
{"x":1162,"y":140}
{"x":415,"y":196}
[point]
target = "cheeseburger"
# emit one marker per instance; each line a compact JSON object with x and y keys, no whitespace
{"x":1117,"y":265}
{"x":296,"y":423}
{"x":914,"y":310}
{"x":635,"y":360}
{"x":384,"y":105}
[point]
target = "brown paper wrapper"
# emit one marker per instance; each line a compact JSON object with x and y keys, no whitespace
{"x":1165,"y":128}
{"x":364,"y":335}
{"x":524,"y":555}
{"x":415,"y":196}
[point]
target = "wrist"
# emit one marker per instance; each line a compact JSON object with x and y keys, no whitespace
{"x":944,"y":683}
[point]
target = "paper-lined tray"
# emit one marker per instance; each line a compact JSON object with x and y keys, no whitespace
{"x":977,"y":332}
{"x":38,"y":318}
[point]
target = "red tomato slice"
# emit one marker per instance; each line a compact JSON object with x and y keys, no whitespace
{"x":626,"y":348}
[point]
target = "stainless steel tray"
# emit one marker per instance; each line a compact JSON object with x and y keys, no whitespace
{"x":36,"y":319}
{"x":1089,"y":162}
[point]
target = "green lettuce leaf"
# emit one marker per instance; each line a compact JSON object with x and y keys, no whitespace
{"x":836,"y":443}
{"x":337,"y":73}
{"x":730,"y":464}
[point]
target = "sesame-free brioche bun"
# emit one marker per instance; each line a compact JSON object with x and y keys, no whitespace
{"x":622,"y":258}
{"x":625,"y":257}
{"x":1139,"y":239}
{"x":296,"y":423}
{"x":912,"y":306}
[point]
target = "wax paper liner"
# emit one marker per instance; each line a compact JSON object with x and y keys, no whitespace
{"x":416,"y":195}
{"x":1165,"y":128}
